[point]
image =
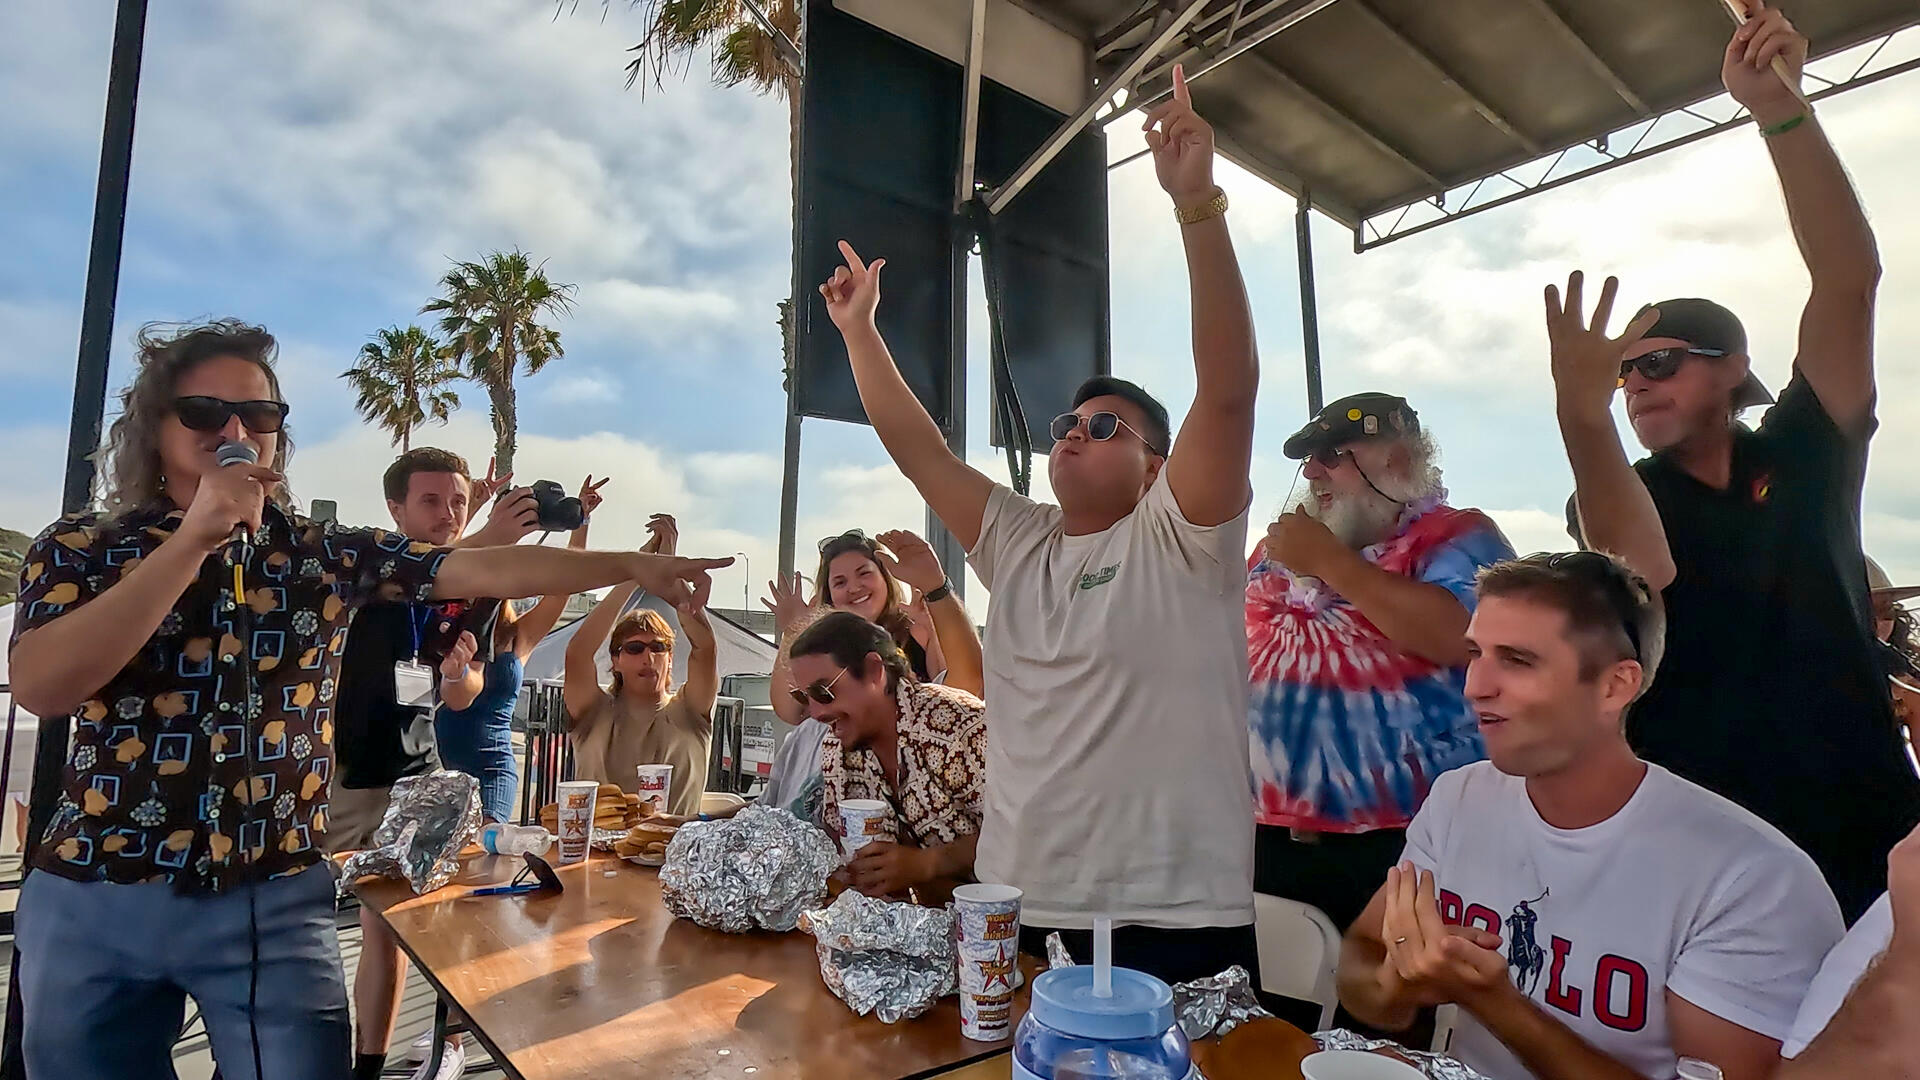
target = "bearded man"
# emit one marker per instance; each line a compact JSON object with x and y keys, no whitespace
{"x":1357,"y":609}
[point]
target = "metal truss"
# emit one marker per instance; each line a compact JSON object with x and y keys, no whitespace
{"x":1644,"y":138}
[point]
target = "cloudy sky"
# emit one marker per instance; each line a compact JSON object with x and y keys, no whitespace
{"x":314,"y":167}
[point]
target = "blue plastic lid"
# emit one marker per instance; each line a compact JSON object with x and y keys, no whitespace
{"x":1141,"y":1006}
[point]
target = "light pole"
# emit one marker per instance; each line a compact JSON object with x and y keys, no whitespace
{"x":746,"y":580}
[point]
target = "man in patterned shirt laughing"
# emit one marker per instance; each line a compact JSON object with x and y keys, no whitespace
{"x":918,"y":747}
{"x":191,"y":807}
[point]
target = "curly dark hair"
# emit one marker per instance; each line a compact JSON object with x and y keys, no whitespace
{"x":132,"y":477}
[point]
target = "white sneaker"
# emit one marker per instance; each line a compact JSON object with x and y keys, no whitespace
{"x":419,"y":1048}
{"x":453,"y":1063}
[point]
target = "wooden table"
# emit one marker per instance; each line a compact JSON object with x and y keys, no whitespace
{"x":600,"y":981}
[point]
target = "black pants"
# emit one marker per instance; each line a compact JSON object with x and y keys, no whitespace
{"x":1335,"y":872}
{"x":1172,"y":955}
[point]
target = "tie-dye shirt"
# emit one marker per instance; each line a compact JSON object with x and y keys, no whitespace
{"x":1347,"y":729}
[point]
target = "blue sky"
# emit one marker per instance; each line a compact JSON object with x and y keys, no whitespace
{"x":314,"y":167}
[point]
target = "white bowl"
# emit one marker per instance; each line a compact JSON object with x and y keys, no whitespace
{"x":1355,"y":1065}
{"x":720,"y":802}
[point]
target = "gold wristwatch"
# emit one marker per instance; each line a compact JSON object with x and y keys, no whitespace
{"x":1212,"y":208}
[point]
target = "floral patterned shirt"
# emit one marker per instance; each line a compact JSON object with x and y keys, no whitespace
{"x":943,"y":771}
{"x":164,"y":755}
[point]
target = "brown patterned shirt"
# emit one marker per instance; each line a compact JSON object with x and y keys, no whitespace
{"x":161,"y":757}
{"x":943,"y":772}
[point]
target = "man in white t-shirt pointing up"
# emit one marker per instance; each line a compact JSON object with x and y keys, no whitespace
{"x":1116,"y":651}
{"x":1592,"y":915}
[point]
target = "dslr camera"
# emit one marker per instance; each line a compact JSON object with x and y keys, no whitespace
{"x":556,"y":510}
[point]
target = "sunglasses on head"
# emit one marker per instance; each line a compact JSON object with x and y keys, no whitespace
{"x":1663,"y":363}
{"x":1101,"y":426}
{"x":852,"y":538}
{"x":821,"y":691}
{"x":635,"y":648}
{"x":1622,"y":590}
{"x":201,"y":413}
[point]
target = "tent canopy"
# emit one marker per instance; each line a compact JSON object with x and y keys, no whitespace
{"x":1375,"y":105}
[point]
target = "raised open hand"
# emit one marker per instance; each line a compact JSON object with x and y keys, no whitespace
{"x":910,"y":559}
{"x":787,"y":599}
{"x":1586,"y":362}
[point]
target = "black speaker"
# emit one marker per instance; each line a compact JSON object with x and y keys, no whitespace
{"x":879,"y":146}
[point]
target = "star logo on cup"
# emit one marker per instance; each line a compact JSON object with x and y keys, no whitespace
{"x":996,"y":970}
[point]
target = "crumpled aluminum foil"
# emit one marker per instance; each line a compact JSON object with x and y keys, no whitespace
{"x":428,"y":820}
{"x":1434,"y":1066}
{"x":1057,"y":954}
{"x":760,"y":868}
{"x":1216,"y":1005}
{"x":891,"y":959}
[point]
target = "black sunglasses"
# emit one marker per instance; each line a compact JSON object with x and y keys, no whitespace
{"x":821,"y":692}
{"x":1663,"y":363}
{"x":1101,"y":426}
{"x":1624,"y":591}
{"x":635,"y":648}
{"x":1330,"y":458}
{"x":211,"y":413}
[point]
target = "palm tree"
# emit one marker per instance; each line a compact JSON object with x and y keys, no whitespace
{"x":402,"y":378}
{"x":490,"y":313}
{"x":741,"y":53}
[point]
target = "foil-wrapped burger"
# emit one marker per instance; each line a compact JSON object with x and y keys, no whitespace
{"x":758,"y":869}
{"x":428,"y":821}
{"x":891,"y":959}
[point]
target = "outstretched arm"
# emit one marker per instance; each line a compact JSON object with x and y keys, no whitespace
{"x":1208,"y":472}
{"x":580,"y":688}
{"x":703,"y":659}
{"x":956,"y":491}
{"x":530,"y":628}
{"x":1617,"y":514}
{"x":1830,"y":226}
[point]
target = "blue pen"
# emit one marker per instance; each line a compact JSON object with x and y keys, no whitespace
{"x":506,"y":890}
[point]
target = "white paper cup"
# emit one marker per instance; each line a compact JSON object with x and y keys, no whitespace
{"x":984,"y":914}
{"x":987,"y":981}
{"x":576,"y":818}
{"x":1355,"y":1065}
{"x":656,"y":783}
{"x":865,"y":821}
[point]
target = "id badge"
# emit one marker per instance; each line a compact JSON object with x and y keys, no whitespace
{"x":412,"y":683}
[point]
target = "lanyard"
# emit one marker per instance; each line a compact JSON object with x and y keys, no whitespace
{"x":418,"y":615}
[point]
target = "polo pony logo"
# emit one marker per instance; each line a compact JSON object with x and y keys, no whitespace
{"x":1523,"y":953}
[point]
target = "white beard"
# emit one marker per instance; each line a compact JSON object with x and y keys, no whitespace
{"x":1359,"y":521}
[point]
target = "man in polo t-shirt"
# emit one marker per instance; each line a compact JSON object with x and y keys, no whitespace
{"x":1772,"y":693}
{"x":1357,"y":608}
{"x":1116,"y":654}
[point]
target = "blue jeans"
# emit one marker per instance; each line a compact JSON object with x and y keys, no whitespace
{"x":105,"y":970}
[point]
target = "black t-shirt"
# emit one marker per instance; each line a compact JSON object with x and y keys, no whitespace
{"x":1771,"y":691}
{"x":376,"y":740}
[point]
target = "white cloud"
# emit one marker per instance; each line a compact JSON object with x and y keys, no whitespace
{"x":578,"y":388}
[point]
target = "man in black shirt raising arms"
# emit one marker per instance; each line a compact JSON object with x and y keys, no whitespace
{"x":1770,"y":693}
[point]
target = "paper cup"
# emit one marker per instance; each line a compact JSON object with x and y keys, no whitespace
{"x":656,"y":782}
{"x":988,"y":976}
{"x":1355,"y":1065}
{"x":984,"y":914}
{"x":576,"y":818}
{"x":865,"y":820}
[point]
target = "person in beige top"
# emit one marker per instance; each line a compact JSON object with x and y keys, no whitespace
{"x":640,"y":719}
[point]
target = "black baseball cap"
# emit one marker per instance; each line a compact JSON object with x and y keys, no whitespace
{"x":1159,"y":428}
{"x":1351,"y":419}
{"x":1707,"y":325}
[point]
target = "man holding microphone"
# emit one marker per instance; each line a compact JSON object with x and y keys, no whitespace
{"x":181,"y":857}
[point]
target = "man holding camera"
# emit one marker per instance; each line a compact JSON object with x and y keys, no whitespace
{"x":385,"y":730}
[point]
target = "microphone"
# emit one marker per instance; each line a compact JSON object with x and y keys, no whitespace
{"x":236,"y":453}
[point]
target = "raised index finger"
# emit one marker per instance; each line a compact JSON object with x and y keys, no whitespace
{"x":853,"y":258}
{"x":1180,"y":92}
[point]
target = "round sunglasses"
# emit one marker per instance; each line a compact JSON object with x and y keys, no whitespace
{"x":1101,"y":426}
{"x":1661,"y":364}
{"x":200,"y":413}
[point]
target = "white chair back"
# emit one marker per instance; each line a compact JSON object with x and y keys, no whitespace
{"x":1299,"y":952}
{"x":1444,"y":1018}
